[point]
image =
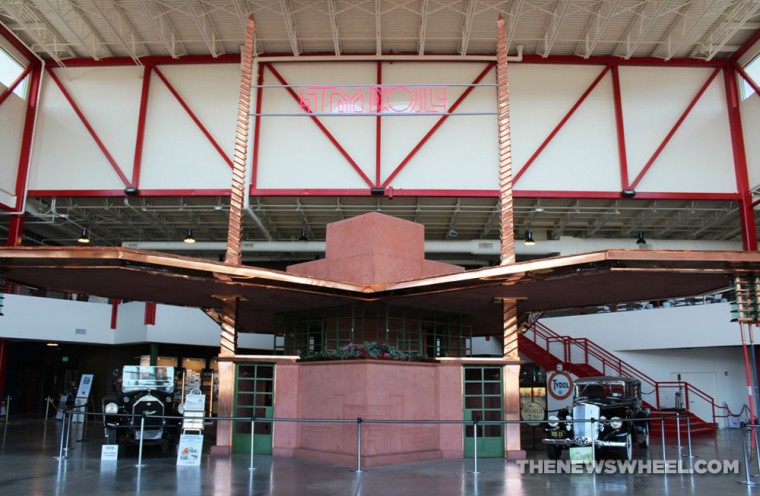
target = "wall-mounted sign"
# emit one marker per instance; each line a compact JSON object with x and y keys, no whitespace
{"x":371,"y":99}
{"x":532,"y":411}
{"x":560,"y":385}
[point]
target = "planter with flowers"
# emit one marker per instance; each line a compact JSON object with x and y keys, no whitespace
{"x":368,"y":349}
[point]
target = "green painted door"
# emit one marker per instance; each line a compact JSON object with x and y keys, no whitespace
{"x":254,"y":396}
{"x":483,"y":400}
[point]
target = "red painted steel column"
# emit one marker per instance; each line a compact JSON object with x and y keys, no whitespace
{"x":3,"y":365}
{"x":141,"y":127}
{"x":378,"y":126}
{"x":746,"y":213}
{"x":15,"y":230}
{"x":28,"y":136}
{"x":619,"y":125}
{"x":115,"y":312}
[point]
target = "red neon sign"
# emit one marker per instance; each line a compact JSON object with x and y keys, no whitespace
{"x":390,"y":99}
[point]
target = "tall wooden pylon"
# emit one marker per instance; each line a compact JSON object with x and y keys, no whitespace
{"x":229,"y":311}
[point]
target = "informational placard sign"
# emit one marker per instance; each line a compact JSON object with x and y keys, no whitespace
{"x":61,"y":406}
{"x":109,"y":452}
{"x":83,"y":393}
{"x":195,"y":405}
{"x":581,"y":454}
{"x":560,"y":385}
{"x":533,"y":411}
{"x":190,"y":449}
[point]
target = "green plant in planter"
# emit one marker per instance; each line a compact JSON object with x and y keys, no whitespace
{"x":368,"y":349}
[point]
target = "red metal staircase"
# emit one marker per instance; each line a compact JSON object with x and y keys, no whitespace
{"x":584,"y":358}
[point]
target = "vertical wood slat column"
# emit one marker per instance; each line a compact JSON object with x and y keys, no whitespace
{"x":228,"y":314}
{"x":512,"y":443}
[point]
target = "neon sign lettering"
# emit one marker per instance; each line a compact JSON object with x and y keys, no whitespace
{"x":373,"y":99}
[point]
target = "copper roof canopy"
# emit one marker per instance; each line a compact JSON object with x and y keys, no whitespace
{"x":589,"y":279}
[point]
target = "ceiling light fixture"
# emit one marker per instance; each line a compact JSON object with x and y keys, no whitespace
{"x":189,"y":238}
{"x":641,"y":241}
{"x":84,"y":238}
{"x":304,"y":235}
{"x":529,"y":241}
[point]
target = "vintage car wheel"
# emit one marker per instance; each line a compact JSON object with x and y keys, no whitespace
{"x":626,"y":453}
{"x":553,"y":452}
{"x":644,"y":442}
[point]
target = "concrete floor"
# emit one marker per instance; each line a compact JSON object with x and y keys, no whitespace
{"x":27,"y":467}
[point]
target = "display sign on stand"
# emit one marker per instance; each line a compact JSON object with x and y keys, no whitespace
{"x":190,"y":449}
{"x":191,"y":445}
{"x":83,"y":394}
{"x":109,"y":452}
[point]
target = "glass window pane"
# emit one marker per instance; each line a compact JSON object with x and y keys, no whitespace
{"x":492,"y":374}
{"x":10,"y":70}
{"x":473,"y":388}
{"x":473,"y":374}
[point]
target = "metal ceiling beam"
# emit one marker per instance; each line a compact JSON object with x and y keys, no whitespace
{"x":79,"y":26}
{"x":333,"y":15}
{"x":423,"y":27}
{"x":626,"y":46}
{"x":469,"y":15}
{"x":733,"y":21}
{"x":514,"y":14}
{"x":38,"y":31}
{"x":683,"y":218}
{"x":642,"y":218}
{"x":117,"y":21}
{"x":595,"y":28}
{"x":717,"y":220}
{"x":164,"y":29}
{"x":553,"y":26}
{"x":680,"y":26}
{"x":206,"y":28}
{"x":290,"y":26}
{"x":559,"y":229}
{"x":611,"y":213}
{"x":241,"y":9}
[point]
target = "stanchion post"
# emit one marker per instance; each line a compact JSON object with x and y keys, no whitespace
{"x":63,"y":432}
{"x":475,"y":444}
{"x":7,"y":407}
{"x":68,"y":434}
{"x":47,"y":407}
{"x":678,"y":431}
{"x":594,"y":433}
{"x":662,"y":436}
{"x":688,"y":440}
{"x":84,"y":423}
{"x":757,"y":450}
{"x":746,"y":480}
{"x":253,"y":431}
{"x":359,"y":444}
{"x":142,"y":436}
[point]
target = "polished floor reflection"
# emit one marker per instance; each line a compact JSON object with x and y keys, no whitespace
{"x":28,"y":467}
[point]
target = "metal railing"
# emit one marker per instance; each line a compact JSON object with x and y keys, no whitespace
{"x":477,"y":425}
{"x":660,"y":395}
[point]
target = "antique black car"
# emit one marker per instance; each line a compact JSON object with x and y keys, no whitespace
{"x":148,"y":391}
{"x":614,"y":403}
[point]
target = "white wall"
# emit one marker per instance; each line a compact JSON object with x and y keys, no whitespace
{"x":697,"y":341}
{"x":461,"y":155}
{"x":49,"y":319}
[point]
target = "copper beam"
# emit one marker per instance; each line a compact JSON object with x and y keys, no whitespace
{"x":505,"y":146}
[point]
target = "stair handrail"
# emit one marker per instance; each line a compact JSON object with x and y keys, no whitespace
{"x":699,"y":393}
{"x":593,"y":349}
{"x":598,"y":351}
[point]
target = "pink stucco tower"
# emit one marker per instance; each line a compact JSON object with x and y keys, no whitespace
{"x":374,"y":248}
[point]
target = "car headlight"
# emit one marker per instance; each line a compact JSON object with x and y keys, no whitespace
{"x":616,"y":422}
{"x":112,"y":408}
{"x":181,"y":408}
{"x":553,"y":421}
{"x":602,"y":420}
{"x":569,"y":423}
